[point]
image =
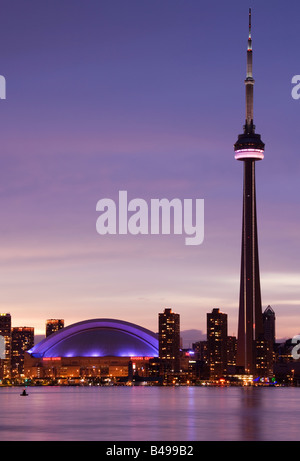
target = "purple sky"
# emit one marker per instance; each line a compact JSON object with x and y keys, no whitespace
{"x":148,"y":97}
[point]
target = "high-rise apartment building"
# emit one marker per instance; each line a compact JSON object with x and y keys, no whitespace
{"x":5,"y":333}
{"x":169,"y":341}
{"x":53,"y":325}
{"x":22,"y":339}
{"x":217,"y":343}
{"x":264,"y":358}
{"x":231,"y":350}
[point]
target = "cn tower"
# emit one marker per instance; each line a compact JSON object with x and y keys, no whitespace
{"x":249,"y":149}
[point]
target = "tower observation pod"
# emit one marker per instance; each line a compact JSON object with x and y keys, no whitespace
{"x":249,"y":148}
{"x":249,"y":144}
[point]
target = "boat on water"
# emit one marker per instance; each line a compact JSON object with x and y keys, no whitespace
{"x":24,"y":393}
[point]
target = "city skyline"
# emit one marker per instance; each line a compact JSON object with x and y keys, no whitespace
{"x":187,"y":337}
{"x":148,"y":99}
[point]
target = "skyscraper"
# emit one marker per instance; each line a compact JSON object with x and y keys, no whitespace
{"x":249,"y":149}
{"x":5,"y":332}
{"x":217,"y":343}
{"x":169,"y":341}
{"x":269,"y":324}
{"x":268,"y":343}
{"x":22,"y":339}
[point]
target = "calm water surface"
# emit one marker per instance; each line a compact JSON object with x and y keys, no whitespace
{"x":149,"y":413}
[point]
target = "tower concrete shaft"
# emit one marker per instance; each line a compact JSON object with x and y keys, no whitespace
{"x":250,"y":324}
{"x":249,"y":148}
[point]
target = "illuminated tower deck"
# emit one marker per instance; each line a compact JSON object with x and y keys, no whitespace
{"x":249,"y":148}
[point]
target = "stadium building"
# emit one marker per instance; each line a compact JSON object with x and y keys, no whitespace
{"x":97,"y":350}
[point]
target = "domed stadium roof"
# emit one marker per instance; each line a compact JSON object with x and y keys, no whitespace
{"x":98,"y":338}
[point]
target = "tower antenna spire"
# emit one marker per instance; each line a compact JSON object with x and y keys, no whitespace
{"x":249,"y":37}
{"x":249,"y":82}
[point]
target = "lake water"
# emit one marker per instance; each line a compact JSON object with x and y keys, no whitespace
{"x":150,"y":414}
